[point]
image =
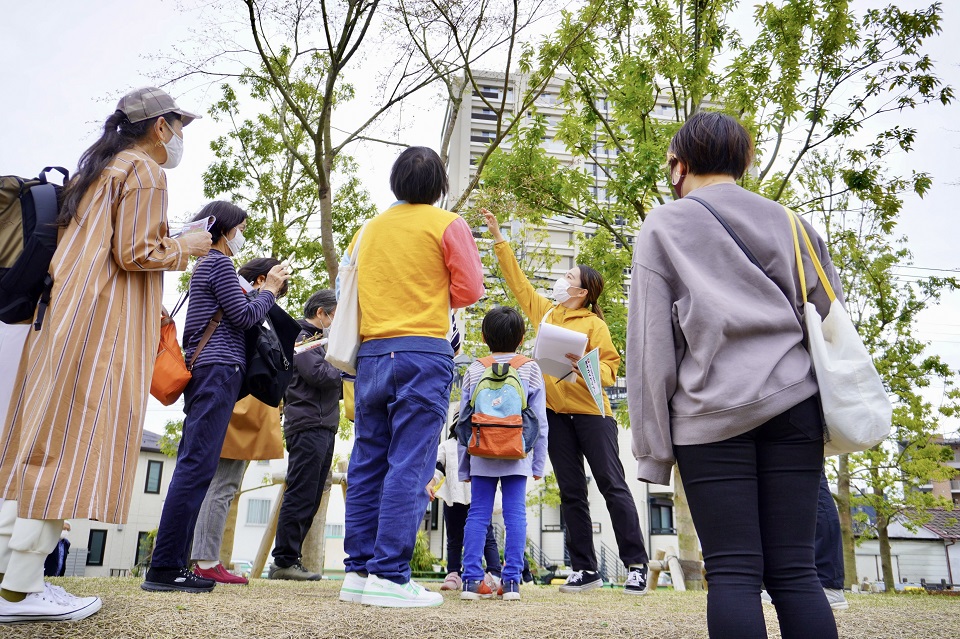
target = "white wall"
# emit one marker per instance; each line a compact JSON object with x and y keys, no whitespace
{"x":248,"y":536}
{"x":121,"y":544}
{"x":913,"y":560}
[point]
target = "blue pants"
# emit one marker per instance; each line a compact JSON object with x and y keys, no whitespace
{"x":209,"y":400}
{"x":753,"y":499}
{"x":482,"y":491}
{"x":455,"y":517}
{"x":401,"y":407}
{"x":828,"y":545}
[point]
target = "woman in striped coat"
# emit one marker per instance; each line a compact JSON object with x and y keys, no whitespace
{"x":73,"y":431}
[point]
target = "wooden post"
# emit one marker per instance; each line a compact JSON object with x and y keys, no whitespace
{"x":266,"y":543}
{"x":654,"y":575}
{"x":314,"y":545}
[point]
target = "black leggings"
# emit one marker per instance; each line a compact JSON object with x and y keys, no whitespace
{"x":754,"y":502}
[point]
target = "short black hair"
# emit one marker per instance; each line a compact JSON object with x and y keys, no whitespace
{"x":709,"y":143}
{"x":259,"y":267}
{"x":325,"y":299}
{"x":228,"y":216}
{"x":418,"y":176}
{"x":503,"y":329}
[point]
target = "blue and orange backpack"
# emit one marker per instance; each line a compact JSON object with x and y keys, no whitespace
{"x":497,"y":423}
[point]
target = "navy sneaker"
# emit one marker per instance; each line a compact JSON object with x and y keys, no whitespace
{"x":475,"y":590}
{"x":509,"y":591}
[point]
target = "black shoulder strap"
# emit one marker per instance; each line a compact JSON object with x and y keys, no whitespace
{"x":45,"y":204}
{"x":733,"y":234}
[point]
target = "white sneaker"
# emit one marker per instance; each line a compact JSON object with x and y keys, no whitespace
{"x":352,"y":589}
{"x":385,"y":593}
{"x":53,"y":604}
{"x":836,"y":599}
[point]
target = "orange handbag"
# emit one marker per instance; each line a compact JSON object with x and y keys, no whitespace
{"x":170,"y":374}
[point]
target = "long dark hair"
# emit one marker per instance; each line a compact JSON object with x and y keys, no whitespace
{"x":592,"y":281}
{"x":119,"y":134}
{"x":260,"y":266}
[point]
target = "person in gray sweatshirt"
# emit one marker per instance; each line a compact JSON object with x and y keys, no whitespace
{"x":720,"y":383}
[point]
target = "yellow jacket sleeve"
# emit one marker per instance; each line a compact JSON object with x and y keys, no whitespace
{"x":609,"y":357}
{"x":534,"y":305}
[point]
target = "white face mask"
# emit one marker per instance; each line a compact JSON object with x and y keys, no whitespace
{"x":64,"y":534}
{"x":236,"y":243}
{"x":174,"y":151}
{"x":560,"y":290}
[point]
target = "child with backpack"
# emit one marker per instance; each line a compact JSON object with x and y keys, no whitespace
{"x":502,"y":436}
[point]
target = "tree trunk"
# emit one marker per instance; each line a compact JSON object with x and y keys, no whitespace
{"x":455,"y":102}
{"x":846,"y":523}
{"x":686,"y":532}
{"x":314,"y":544}
{"x":330,"y":256}
{"x":886,"y":561}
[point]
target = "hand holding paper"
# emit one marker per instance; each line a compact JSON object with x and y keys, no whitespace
{"x":553,"y":345}
{"x":195,"y":227}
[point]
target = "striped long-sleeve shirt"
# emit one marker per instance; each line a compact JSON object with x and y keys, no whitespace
{"x":214,"y":285}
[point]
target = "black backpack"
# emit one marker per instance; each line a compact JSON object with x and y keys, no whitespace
{"x":270,"y":357}
{"x":28,"y":240}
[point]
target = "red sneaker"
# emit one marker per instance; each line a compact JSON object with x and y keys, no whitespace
{"x":220,"y":575}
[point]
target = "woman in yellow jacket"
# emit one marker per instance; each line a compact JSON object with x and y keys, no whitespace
{"x":577,"y":428}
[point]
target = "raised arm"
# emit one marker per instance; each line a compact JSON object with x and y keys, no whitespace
{"x":534,"y":305}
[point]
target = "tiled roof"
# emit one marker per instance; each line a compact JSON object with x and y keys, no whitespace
{"x":150,"y":442}
{"x":944,"y":523}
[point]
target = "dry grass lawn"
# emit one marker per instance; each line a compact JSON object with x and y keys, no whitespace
{"x":274,"y":610}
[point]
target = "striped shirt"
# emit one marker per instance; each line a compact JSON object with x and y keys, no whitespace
{"x":214,"y":285}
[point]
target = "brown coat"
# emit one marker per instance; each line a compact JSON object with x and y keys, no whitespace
{"x":76,"y":416}
{"x":254,"y":432}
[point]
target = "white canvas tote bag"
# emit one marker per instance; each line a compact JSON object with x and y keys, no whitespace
{"x":856,"y":408}
{"x":344,"y":342}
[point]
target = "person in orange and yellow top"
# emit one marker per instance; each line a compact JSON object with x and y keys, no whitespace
{"x":414,"y":263}
{"x":577,"y":428}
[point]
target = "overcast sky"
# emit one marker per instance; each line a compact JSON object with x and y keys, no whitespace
{"x":66,"y":63}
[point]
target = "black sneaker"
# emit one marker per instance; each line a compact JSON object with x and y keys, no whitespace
{"x":182,"y":579}
{"x":636,"y":583}
{"x":582,"y":580}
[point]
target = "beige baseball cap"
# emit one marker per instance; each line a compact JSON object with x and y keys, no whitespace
{"x":151,"y":102}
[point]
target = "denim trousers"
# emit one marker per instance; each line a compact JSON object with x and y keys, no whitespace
{"x":482,"y":491}
{"x":455,"y":518}
{"x":753,"y":499}
{"x":311,"y":454}
{"x":828,"y":545}
{"x":209,"y":400}
{"x":401,"y":408}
